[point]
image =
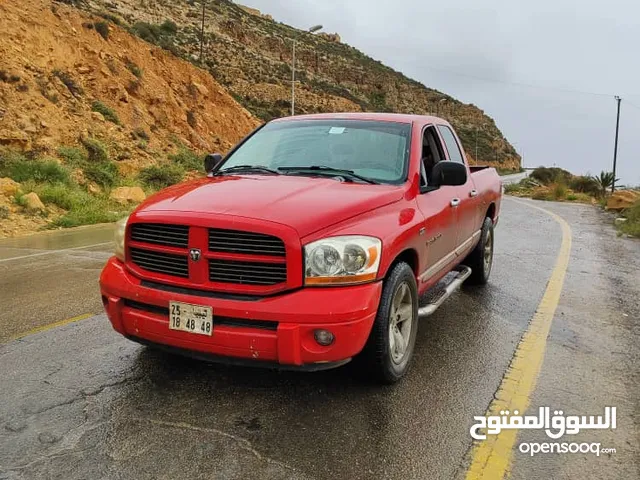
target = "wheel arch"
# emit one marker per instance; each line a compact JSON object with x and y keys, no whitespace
{"x":408,"y":256}
{"x":491,"y":212}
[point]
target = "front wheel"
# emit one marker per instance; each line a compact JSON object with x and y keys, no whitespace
{"x":389,"y":349}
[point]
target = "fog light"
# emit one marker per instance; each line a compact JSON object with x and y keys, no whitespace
{"x":323,"y":337}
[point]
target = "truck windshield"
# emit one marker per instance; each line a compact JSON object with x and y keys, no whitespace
{"x":371,"y":149}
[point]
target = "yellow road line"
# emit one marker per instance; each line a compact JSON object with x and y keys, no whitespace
{"x":50,"y":326}
{"x":491,"y":458}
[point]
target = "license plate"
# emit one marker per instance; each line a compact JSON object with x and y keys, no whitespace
{"x":191,"y":318}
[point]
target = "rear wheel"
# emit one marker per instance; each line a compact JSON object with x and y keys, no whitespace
{"x":388,"y":351}
{"x":481,"y":258}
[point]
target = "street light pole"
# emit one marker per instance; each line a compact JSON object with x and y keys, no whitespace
{"x":293,"y":80}
{"x":476,"y":144}
{"x":615,"y":148}
{"x":313,"y":29}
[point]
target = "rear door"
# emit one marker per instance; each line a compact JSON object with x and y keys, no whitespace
{"x":466,"y":196}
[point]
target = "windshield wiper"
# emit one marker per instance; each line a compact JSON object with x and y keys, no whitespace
{"x":323,"y":169}
{"x":247,"y":169}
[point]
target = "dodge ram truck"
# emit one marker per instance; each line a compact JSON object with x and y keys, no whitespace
{"x":308,"y":245}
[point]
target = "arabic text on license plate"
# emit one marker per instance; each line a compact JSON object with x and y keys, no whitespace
{"x":191,"y":318}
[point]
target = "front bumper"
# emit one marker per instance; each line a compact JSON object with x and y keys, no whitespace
{"x":270,"y":331}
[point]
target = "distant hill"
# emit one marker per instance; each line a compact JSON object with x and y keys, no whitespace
{"x":250,"y":54}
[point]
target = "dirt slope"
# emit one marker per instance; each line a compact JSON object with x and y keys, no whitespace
{"x":54,"y":66}
{"x":250,"y":54}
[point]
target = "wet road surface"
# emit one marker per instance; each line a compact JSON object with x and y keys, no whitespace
{"x":79,"y":401}
{"x":51,"y":277}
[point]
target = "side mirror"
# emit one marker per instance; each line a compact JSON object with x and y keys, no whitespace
{"x":211,"y":161}
{"x":447,"y":172}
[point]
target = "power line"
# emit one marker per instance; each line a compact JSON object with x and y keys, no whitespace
{"x":633,"y":105}
{"x":520,"y":84}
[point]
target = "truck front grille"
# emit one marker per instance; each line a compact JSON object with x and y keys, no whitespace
{"x":236,"y":241}
{"x":161,"y":234}
{"x":161,"y":262}
{"x":229,"y":259}
{"x":247,"y":273}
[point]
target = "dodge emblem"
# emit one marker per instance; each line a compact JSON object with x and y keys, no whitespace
{"x":194,"y":253}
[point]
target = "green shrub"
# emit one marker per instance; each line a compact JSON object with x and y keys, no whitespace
{"x":82,"y":207}
{"x":133,"y":68}
{"x":96,"y":150}
{"x":112,"y":18}
{"x":61,"y":195}
{"x":161,"y":176}
{"x":140,"y":134}
{"x":511,"y":188}
{"x":188,"y":159}
{"x":94,"y":210}
{"x":559,"y":191}
{"x":103,"y":29}
{"x":103,"y":173}
{"x":73,"y":156}
{"x":584,"y":184}
{"x":169,"y":28}
{"x":548,"y":175}
{"x":106,"y":112}
{"x":21,"y":169}
{"x":632,"y":225}
{"x":571,"y":197}
{"x":161,"y":35}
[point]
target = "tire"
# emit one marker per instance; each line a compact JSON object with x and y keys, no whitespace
{"x":481,"y":257}
{"x":380,"y":357}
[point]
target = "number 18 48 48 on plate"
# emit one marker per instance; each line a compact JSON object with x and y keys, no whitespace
{"x":191,"y":318}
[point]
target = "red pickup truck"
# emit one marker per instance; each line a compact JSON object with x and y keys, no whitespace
{"x":309,"y":244}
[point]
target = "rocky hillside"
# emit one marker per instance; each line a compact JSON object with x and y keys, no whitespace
{"x":102,"y":104}
{"x":250,"y":54}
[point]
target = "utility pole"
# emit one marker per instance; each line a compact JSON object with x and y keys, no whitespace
{"x":314,"y":29}
{"x":615,"y":148}
{"x":204,"y":3}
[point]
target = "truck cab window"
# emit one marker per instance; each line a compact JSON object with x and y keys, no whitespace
{"x":432,"y":153}
{"x":452,"y":145}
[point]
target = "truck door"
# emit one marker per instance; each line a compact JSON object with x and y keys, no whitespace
{"x":466,"y":195}
{"x":439,"y":230}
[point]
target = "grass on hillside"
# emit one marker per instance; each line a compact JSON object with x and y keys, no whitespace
{"x":64,"y":181}
{"x":632,"y":225}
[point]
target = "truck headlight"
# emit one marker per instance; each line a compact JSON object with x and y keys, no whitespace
{"x":342,"y":260}
{"x":121,"y":228}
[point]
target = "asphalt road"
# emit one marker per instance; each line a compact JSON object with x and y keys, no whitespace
{"x":79,"y":401}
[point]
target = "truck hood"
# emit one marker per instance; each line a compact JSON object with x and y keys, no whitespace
{"x":307,"y":204}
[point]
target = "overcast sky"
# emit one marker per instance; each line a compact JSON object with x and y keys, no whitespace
{"x":579,"y":45}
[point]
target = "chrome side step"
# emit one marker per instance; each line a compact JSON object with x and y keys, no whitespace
{"x":453,"y":286}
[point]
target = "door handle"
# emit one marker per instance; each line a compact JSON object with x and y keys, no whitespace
{"x":473,"y":193}
{"x":455,"y":202}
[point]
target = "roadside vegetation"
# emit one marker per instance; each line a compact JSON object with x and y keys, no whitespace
{"x":556,"y":184}
{"x":631,"y":224}
{"x":552,"y":183}
{"x":76,"y":183}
